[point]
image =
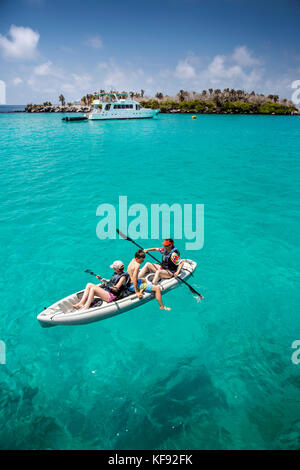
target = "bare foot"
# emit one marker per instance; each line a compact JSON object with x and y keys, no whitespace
{"x":165,"y":308}
{"x":77,"y":305}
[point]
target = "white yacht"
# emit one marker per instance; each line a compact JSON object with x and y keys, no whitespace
{"x":118,"y":106}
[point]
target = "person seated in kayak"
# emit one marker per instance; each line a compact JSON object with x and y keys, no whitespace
{"x":171,"y":262}
{"x":110,"y":290}
{"x":140,"y":285}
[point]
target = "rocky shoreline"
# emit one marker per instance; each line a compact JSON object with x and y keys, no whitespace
{"x":40,"y":108}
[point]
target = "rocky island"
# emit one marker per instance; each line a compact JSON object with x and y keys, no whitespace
{"x":207,"y":102}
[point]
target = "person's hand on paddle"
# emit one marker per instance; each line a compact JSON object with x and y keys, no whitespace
{"x":125,"y":237}
{"x":140,"y":294}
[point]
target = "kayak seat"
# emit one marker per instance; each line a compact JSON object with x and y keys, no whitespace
{"x":97,"y":302}
{"x":150,"y":277}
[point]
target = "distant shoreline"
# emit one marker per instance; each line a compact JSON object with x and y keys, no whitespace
{"x":185,"y":107}
{"x":185,"y":102}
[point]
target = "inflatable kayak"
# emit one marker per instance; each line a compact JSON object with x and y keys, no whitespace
{"x":62,"y":312}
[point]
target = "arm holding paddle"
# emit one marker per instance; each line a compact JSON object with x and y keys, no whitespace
{"x":102,"y":279}
{"x":125,"y":237}
{"x":178,"y":269}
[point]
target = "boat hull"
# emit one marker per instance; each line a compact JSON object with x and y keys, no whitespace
{"x":111,"y":115}
{"x":62,"y":313}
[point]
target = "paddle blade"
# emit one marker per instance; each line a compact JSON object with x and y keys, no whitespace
{"x":90,"y":272}
{"x":123,"y":235}
{"x":195,"y":292}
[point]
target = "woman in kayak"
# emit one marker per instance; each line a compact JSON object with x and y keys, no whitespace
{"x":110,"y":291}
{"x":171,"y":263}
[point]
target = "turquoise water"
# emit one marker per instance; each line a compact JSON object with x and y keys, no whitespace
{"x":211,"y":375}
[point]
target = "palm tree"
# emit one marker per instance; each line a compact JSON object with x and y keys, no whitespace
{"x":159,"y":95}
{"x":181,"y":95}
{"x":142,"y":93}
{"x":62,"y":99}
{"x":232,"y":94}
{"x":210,"y":91}
{"x":218,"y":97}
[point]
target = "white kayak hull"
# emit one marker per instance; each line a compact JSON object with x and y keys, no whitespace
{"x":62,"y":313}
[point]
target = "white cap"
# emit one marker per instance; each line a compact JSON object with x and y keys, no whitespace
{"x":117,"y":265}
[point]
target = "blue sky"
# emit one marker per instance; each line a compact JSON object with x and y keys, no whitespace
{"x":48,"y":47}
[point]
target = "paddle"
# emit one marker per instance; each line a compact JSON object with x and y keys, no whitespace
{"x":93,"y":274}
{"x":139,"y":246}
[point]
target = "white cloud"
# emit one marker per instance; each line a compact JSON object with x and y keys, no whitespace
{"x":46,"y":80}
{"x":22,"y":45}
{"x":223,"y":73}
{"x":17,"y":81}
{"x":218,"y":69}
{"x":236,"y":70}
{"x":243,"y":57}
{"x":185,"y":70}
{"x":2,"y":92}
{"x":43,"y":69}
{"x":113,"y":76}
{"x":95,"y":42}
{"x":80,"y":84}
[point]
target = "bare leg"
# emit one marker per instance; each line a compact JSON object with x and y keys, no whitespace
{"x":157,"y":292}
{"x":148,"y":267}
{"x":96,"y":290}
{"x":161,"y":274}
{"x":84,"y":297}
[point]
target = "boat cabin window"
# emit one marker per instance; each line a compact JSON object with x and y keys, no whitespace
{"x":138,"y":106}
{"x":107,"y":107}
{"x":123,"y":106}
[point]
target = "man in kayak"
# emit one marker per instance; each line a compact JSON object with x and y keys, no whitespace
{"x":171,"y":262}
{"x":140,"y":285}
{"x":111,"y":290}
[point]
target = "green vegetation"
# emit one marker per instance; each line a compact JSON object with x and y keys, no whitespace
{"x":275,"y":108}
{"x":217,"y":106}
{"x":208,"y":101}
{"x":217,"y":101}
